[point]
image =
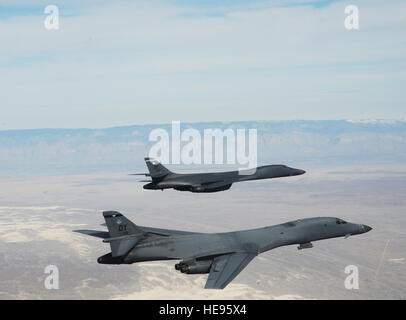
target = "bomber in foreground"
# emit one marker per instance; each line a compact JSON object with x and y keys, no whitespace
{"x":162,"y":178}
{"x":222,"y":255}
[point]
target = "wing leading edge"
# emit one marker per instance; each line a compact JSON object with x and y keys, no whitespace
{"x":226,"y":267}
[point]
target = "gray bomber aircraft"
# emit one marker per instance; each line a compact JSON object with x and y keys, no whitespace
{"x":222,"y":255}
{"x":162,"y":178}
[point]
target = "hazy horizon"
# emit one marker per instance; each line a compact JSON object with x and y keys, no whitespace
{"x":197,"y":122}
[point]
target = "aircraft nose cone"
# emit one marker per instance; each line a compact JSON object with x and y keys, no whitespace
{"x":367,"y":228}
{"x":298,"y":172}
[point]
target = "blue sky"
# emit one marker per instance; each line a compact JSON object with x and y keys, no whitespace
{"x":135,"y":62}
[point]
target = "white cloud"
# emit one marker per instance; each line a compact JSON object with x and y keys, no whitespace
{"x":134,"y":62}
{"x":14,"y":237}
{"x":23,"y":227}
{"x":161,"y":281}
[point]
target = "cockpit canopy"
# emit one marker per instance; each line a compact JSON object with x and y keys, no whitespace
{"x":340,"y":221}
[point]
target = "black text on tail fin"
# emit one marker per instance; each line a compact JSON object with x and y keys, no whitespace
{"x":124,"y":234}
{"x":156,"y":169}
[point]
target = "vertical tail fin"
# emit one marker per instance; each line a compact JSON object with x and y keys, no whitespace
{"x":124,"y":234}
{"x":118,"y":225}
{"x":156,"y":169}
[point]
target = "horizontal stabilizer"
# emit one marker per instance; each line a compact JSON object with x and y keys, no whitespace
{"x":94,"y":233}
{"x":140,"y":174}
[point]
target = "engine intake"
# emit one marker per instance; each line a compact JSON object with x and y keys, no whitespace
{"x":194,"y":267}
{"x":211,"y":188}
{"x":306,"y":245}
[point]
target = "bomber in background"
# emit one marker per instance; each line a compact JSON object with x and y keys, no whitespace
{"x":222,"y":255}
{"x":162,"y":178}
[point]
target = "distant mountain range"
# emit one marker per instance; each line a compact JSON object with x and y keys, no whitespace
{"x":123,"y":148}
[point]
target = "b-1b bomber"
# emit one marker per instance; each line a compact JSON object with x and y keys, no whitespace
{"x":162,"y":178}
{"x":221,"y":255}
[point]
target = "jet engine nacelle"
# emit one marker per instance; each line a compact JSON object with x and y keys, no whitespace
{"x":201,"y":189}
{"x":194,"y":267}
{"x":306,"y":245}
{"x":109,"y":259}
{"x":210,"y":188}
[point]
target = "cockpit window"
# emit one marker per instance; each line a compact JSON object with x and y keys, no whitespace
{"x":289,"y":224}
{"x":341,"y":222}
